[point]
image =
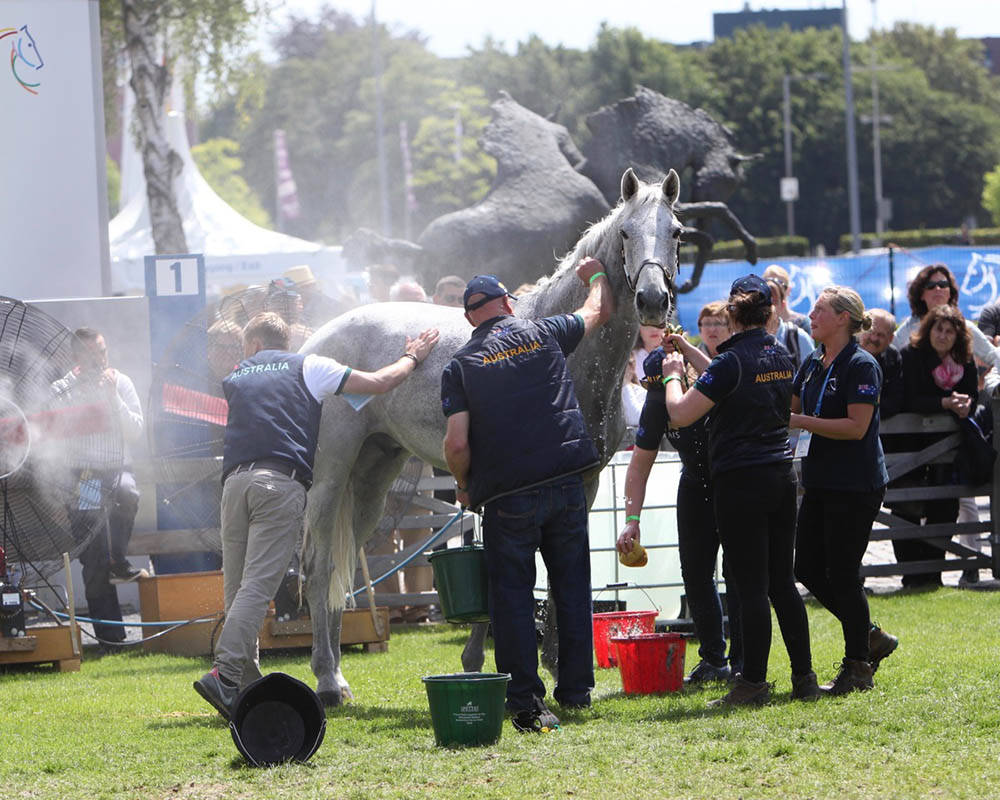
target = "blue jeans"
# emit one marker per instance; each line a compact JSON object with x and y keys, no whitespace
{"x":552,"y":519}
{"x":698,"y":548}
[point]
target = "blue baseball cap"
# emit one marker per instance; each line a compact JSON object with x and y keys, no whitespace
{"x":652,"y":368}
{"x":487,"y":285}
{"x":751,"y":283}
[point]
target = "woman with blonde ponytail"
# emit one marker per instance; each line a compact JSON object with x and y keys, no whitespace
{"x":835,"y":405}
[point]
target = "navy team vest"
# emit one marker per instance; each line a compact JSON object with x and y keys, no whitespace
{"x":271,"y":413}
{"x":525,"y":425}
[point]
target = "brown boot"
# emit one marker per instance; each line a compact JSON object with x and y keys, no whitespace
{"x":805,"y":687}
{"x":880,"y":645}
{"x":745,"y":693}
{"x":854,"y":676}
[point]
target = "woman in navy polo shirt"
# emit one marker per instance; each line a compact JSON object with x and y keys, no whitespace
{"x":748,"y":389}
{"x":835,"y":405}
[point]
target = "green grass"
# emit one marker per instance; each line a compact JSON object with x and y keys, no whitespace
{"x":130,"y":725}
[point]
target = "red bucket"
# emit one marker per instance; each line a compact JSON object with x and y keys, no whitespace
{"x":651,"y":663}
{"x":618,"y":623}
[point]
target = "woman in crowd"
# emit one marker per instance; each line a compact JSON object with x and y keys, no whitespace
{"x":633,"y":395}
{"x":748,"y":389}
{"x":933,"y":286}
{"x":938,"y":375}
{"x":835,"y":405}
{"x":713,"y":327}
{"x":796,"y":341}
{"x":697,"y":535}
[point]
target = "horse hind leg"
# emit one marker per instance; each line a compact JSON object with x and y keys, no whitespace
{"x":474,"y":653}
{"x":328,"y":518}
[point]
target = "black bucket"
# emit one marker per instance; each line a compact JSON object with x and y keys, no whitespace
{"x":462,"y":583}
{"x":277,"y":718}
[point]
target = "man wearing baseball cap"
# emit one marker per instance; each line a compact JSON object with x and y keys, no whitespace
{"x":517,"y":445}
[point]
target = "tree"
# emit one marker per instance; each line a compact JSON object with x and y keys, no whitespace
{"x":991,"y":193}
{"x":151,"y":34}
{"x":219,"y":162}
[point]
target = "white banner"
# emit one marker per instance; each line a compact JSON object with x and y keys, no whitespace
{"x":53,"y":208}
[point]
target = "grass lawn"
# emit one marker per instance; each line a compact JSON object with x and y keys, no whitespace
{"x":130,"y":725}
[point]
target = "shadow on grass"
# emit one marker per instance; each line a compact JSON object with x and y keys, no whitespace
{"x":404,"y":718}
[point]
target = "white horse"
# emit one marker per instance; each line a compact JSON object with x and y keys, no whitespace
{"x":360,"y":453}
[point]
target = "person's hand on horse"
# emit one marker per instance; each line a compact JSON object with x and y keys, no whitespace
{"x":677,"y":342}
{"x":421,"y":347}
{"x":588,"y":268}
{"x":673,"y":364}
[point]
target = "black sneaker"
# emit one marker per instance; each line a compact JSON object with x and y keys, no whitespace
{"x":537,"y":719}
{"x":126,"y":573}
{"x":220,"y":694}
{"x":880,"y":645}
{"x":706,"y":672}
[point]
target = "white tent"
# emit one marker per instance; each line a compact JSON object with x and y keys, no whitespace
{"x":237,"y":252}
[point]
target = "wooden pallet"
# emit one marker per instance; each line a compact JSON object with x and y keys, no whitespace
{"x":43,"y":645}
{"x":196,"y":594}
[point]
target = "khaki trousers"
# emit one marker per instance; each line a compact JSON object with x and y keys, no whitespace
{"x":262,"y":512}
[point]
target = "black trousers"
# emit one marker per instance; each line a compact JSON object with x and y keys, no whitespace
{"x":830,"y":540}
{"x":755,"y":512}
{"x":698,"y":548}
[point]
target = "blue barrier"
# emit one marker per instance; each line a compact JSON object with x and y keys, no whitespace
{"x":976,"y":269}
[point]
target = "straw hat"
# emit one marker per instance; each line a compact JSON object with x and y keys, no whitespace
{"x":636,"y":557}
{"x":301,"y":274}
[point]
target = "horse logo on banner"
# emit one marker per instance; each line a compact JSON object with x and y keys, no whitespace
{"x":24,"y":56}
{"x":979,"y":283}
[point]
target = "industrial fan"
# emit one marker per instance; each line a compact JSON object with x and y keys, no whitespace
{"x":61,"y":449}
{"x":187,"y":413}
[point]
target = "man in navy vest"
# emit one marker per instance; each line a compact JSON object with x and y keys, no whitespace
{"x":275,"y":398}
{"x":517,"y":445}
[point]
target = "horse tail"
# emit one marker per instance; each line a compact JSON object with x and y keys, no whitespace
{"x":344,"y":554}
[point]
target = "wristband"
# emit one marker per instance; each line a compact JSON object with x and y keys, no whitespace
{"x":668,"y":378}
{"x":631,"y":517}
{"x":595,"y":276}
{"x":410,"y":355}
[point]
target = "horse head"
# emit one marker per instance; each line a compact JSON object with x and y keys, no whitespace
{"x":650,"y":238}
{"x":24,"y":51}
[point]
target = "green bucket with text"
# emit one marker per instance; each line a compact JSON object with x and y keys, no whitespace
{"x":467,"y":708}
{"x":462,"y":583}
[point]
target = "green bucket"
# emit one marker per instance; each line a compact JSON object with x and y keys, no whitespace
{"x":467,"y":707}
{"x":462,"y":583}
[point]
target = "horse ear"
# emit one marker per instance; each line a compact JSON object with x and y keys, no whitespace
{"x":672,"y":187}
{"x":630,"y":184}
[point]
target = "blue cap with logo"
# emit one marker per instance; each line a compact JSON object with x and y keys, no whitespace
{"x":487,"y":285}
{"x":652,"y":367}
{"x":751,"y":283}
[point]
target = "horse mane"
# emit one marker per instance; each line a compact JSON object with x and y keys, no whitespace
{"x":597,"y":241}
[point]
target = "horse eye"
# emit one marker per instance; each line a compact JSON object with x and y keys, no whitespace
{"x":677,"y":233}
{"x":624,"y":235}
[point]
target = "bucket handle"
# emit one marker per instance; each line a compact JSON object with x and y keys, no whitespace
{"x":625,"y":585}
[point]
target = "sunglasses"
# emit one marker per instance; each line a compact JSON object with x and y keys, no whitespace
{"x":939,"y":284}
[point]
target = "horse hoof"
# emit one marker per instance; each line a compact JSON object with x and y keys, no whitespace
{"x":331,"y":699}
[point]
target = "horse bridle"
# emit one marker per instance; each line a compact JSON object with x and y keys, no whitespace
{"x":647,"y":263}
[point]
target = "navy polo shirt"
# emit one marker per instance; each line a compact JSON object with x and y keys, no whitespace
{"x":691,"y":443}
{"x":525,"y":425}
{"x":842,"y":464}
{"x":750,"y":382}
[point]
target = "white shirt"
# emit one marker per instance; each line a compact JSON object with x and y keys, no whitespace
{"x":324,"y":376}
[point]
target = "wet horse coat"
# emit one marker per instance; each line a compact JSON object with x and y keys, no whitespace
{"x":360,"y":453}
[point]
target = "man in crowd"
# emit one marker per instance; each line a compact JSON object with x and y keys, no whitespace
{"x":449,"y":291}
{"x":780,"y":274}
{"x":877,"y":340}
{"x":517,"y":444}
{"x":109,"y":509}
{"x":275,"y":399}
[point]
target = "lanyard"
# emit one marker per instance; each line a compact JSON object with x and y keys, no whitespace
{"x":822,"y":390}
